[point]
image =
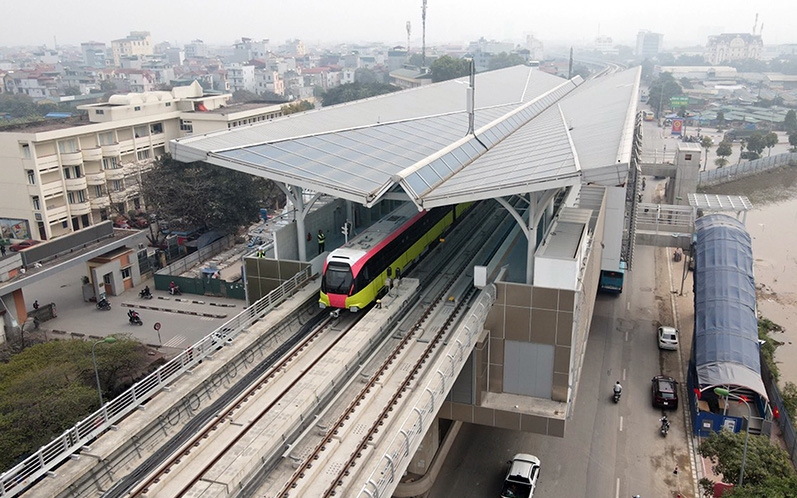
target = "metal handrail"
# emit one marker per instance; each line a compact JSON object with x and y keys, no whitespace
{"x":19,"y":477}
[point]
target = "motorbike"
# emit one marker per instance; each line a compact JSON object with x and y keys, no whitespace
{"x":143,"y":294}
{"x":616,"y":397}
{"x":665,"y":426}
{"x":134,"y":319}
{"x":175,"y":291}
{"x":103,"y":305}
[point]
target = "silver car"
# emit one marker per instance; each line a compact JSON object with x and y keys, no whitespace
{"x":668,"y":338}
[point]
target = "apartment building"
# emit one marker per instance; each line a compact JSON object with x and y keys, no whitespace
{"x":60,"y":177}
{"x":136,"y":43}
{"x":729,"y":47}
{"x":241,"y":77}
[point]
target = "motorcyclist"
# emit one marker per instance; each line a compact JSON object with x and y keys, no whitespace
{"x":664,"y":421}
{"x":146,"y":291}
{"x":174,"y":288}
{"x":618,"y":389}
{"x":132,"y":314}
{"x":103,"y":303}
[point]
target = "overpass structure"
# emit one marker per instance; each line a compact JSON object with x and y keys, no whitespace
{"x":559,"y":157}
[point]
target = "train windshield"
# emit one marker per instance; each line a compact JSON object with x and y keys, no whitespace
{"x":337,"y":278}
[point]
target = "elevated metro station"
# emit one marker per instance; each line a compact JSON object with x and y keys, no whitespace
{"x":559,"y":155}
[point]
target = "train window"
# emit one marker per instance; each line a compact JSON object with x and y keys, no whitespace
{"x":337,"y":278}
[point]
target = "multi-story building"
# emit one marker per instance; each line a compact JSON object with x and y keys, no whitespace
{"x":248,"y":49}
{"x":37,"y":84}
{"x":729,"y":47}
{"x":241,"y":77}
{"x":136,"y":43}
{"x":648,"y":44}
{"x":269,"y":80}
{"x":196,"y":49}
{"x":93,"y":54}
{"x":59,"y":177}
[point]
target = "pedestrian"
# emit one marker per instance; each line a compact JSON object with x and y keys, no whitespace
{"x":321,"y":240}
{"x":260,"y":252}
{"x":2,"y":250}
{"x":36,"y":304}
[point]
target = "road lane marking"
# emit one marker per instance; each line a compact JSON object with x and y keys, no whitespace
{"x":628,"y":306}
{"x":621,"y":423}
{"x":626,"y":336}
{"x":624,"y":375}
{"x":617,"y":490}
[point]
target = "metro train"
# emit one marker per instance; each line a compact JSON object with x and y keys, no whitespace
{"x":355,"y":274}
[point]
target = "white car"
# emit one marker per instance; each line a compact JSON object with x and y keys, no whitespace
{"x":668,"y":338}
{"x":524,"y":469}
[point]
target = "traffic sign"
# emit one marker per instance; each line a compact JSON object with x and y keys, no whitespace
{"x":157,"y":325}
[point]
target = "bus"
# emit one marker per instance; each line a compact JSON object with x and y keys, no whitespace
{"x":612,"y":280}
{"x":648,"y":115}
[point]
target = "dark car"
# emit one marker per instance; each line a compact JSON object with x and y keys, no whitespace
{"x":665,"y":392}
{"x":19,"y":246}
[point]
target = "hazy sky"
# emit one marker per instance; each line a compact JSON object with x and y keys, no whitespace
{"x":222,"y":22}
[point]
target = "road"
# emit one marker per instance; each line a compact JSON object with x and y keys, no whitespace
{"x":609,"y":450}
{"x":178,"y":330}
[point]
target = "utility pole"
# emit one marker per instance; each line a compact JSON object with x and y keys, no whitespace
{"x":409,"y":30}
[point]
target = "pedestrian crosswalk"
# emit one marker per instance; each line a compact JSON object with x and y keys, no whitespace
{"x":175,"y":342}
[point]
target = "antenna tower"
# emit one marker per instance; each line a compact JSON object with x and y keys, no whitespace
{"x":409,"y":30}
{"x":755,"y":24}
{"x":423,"y":47}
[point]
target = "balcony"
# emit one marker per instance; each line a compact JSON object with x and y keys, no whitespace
{"x":100,"y":202}
{"x":114,"y":174}
{"x":119,"y":196}
{"x":112,"y":150}
{"x":80,"y":208}
{"x":94,"y":154}
{"x":95,"y":179}
{"x":76,"y":183}
{"x":47,"y":163}
{"x":52,"y":189}
{"x":56,"y":213}
{"x":72,"y":158}
{"x":126,"y":146}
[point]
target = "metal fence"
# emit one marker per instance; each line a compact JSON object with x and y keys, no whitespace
{"x":49,"y":456}
{"x":783,"y":420}
{"x":747,"y":168}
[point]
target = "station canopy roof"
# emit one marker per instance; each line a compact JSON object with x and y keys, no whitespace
{"x":532,"y":132}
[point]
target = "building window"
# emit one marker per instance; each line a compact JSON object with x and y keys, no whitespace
{"x":126,"y":272}
{"x":103,"y":214}
{"x":142,"y":154}
{"x":116,"y":185}
{"x":140,"y":131}
{"x":70,"y":197}
{"x":84,"y":220}
{"x":97,"y":190}
{"x":109,"y":163}
{"x":81,"y":195}
{"x":77,"y":172}
{"x":67,"y":173}
{"x":26,"y":151}
{"x":99,"y":111}
{"x":156,"y":128}
{"x":186,"y":126}
{"x":66,"y":146}
{"x":168,"y":104}
{"x":31,"y":177}
{"x":688,"y":157}
{"x":106,"y":138}
{"x":137,"y":108}
{"x":137,"y":203}
{"x":36,"y":204}
{"x":65,"y":224}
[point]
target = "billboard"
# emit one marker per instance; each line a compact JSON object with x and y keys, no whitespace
{"x":678,"y":126}
{"x":14,"y":228}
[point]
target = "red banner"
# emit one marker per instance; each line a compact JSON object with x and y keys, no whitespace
{"x":677,"y":126}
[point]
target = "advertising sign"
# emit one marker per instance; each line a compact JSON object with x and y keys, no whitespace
{"x":678,"y":126}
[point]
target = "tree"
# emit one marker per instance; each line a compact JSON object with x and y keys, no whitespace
{"x":756,"y":143}
{"x":720,"y":120}
{"x":503,"y":60}
{"x":71,"y":90}
{"x":49,"y":387}
{"x":365,"y":75}
{"x":770,"y":140}
{"x":706,"y":142}
{"x":793,"y":140}
{"x":661,"y":90}
{"x":355,"y":91}
{"x":201,"y":195}
{"x":448,"y":68}
{"x":298,"y":106}
{"x":766,"y":466}
{"x":790,"y":121}
{"x":724,"y":150}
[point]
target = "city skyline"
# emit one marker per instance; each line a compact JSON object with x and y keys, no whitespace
{"x":70,"y":22}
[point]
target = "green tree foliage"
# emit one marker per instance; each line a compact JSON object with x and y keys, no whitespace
{"x":793,"y":140}
{"x":49,"y":387}
{"x":503,"y":60}
{"x":416,"y":60}
{"x":685,"y":83}
{"x":724,"y":150}
{"x":355,"y":91}
{"x":756,"y":143}
{"x":766,"y":467}
{"x":447,"y":68}
{"x":201,"y":195}
{"x":661,"y":90}
{"x":298,"y":106}
{"x":365,"y":75}
{"x":690,"y":60}
{"x":770,"y":140}
{"x":789,"y":394}
{"x":769,"y":344}
{"x":581,"y":70}
{"x":790,"y":121}
{"x":19,"y":106}
{"x":720,"y":120}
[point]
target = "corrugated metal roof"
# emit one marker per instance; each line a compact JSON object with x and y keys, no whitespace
{"x":533,"y":132}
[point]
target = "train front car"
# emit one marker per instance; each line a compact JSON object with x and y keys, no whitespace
{"x":337,"y":283}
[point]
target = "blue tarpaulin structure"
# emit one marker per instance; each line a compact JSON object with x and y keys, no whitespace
{"x":726,"y":349}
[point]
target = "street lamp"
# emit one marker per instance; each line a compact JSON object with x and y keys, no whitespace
{"x":719,"y":391}
{"x":109,"y":340}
